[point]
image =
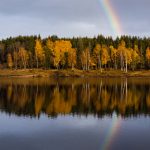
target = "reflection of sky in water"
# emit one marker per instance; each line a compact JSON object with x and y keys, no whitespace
{"x":75,"y":133}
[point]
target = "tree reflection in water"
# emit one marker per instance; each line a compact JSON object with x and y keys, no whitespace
{"x":81,"y":96}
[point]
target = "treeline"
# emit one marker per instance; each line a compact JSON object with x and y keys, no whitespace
{"x":82,"y":53}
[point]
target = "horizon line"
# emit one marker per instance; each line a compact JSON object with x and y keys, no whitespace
{"x":71,"y":37}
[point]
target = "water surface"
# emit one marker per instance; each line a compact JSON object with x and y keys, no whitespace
{"x":75,"y":113}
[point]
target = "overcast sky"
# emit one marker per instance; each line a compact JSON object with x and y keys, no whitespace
{"x":67,"y":18}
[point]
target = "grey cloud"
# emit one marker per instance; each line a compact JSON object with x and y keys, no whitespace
{"x":52,"y":9}
{"x":71,"y":17}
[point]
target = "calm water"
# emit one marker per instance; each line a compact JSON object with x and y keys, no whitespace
{"x":75,"y":114}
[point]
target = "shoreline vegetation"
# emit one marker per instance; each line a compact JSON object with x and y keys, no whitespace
{"x":32,"y":56}
{"x":37,"y":73}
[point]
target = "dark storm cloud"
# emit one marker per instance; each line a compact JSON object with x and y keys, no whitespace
{"x":71,"y":17}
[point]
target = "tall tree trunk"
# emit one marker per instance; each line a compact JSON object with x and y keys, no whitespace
{"x":37,"y":63}
{"x":126,"y":65}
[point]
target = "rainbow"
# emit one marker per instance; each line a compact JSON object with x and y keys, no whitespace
{"x":112,"y":133}
{"x":112,"y":17}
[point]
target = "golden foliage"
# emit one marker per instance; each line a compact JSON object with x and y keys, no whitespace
{"x":9,"y":60}
{"x":148,"y":54}
{"x":39,"y":52}
{"x":105,"y":56}
{"x":60,"y":48}
{"x":23,"y":57}
{"x":72,"y":57}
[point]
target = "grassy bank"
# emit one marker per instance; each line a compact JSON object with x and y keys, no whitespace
{"x":71,"y":73}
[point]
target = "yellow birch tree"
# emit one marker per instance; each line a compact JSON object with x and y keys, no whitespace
{"x":9,"y":61}
{"x":39,"y":52}
{"x":148,"y":55}
{"x":97,"y":56}
{"x":23,"y":57}
{"x":72,"y":57}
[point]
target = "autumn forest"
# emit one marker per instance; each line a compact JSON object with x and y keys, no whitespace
{"x":124,"y":53}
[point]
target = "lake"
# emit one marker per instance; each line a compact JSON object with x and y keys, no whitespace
{"x":75,"y":114}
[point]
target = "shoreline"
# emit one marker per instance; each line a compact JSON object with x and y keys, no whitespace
{"x":37,"y":73}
